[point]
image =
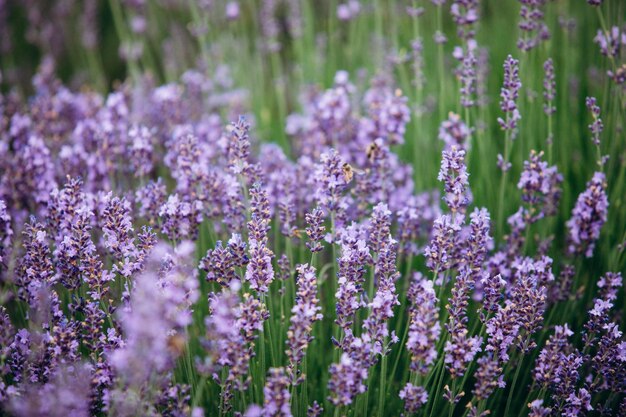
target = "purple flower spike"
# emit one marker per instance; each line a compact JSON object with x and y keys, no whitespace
{"x":588,"y":216}
{"x":454,"y":132}
{"x":453,"y":173}
{"x":414,"y":397}
{"x":277,"y":396}
{"x":424,"y":327}
{"x":597,"y":126}
{"x":509,"y":95}
{"x":303,"y":314}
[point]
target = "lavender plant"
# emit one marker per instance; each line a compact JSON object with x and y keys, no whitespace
{"x":286,"y":208}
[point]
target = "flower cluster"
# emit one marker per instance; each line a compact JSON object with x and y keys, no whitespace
{"x":158,"y":257}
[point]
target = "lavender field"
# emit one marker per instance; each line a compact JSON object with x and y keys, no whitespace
{"x":312,"y":208}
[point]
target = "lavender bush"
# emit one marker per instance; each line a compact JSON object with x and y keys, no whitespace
{"x":288,"y":208}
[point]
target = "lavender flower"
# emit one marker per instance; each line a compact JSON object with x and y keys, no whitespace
{"x":577,"y":402}
{"x":538,"y":410}
{"x":351,"y":276}
{"x":118,"y":234}
{"x":509,"y":94}
{"x":314,"y":410}
{"x":417,"y":48}
{"x":453,"y":174}
{"x":424,"y":328}
{"x":349,"y":10}
{"x":151,"y":198}
{"x":454,"y":132}
{"x":238,"y":147}
{"x":439,"y":253}
{"x":550,"y":357}
{"x":260,"y":272}
{"x":414,"y":397}
{"x":141,"y":151}
{"x":488,"y":376}
{"x":381,"y":307}
{"x":549,"y":87}
{"x":468,"y":79}
{"x":6,"y":236}
{"x":66,"y":394}
{"x":610,"y":42}
{"x":597,"y":126}
{"x":227,"y":342}
{"x":588,"y":216}
{"x":540,"y":185}
{"x":277,"y":396}
{"x":180,"y":218}
{"x":465,"y":15}
{"x":379,"y":229}
{"x":346,"y":380}
{"x":332,"y":177}
{"x":460,"y":349}
{"x":36,"y":268}
{"x":159,"y":312}
{"x":315,"y":229}
{"x":303,"y":314}
{"x":533,"y":28}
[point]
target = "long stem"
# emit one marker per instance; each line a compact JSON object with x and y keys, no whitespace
{"x":381,"y":393}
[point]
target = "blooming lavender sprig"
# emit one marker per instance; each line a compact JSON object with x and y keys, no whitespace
{"x":379,"y":228}
{"x":238,"y":147}
{"x":6,"y":236}
{"x":549,"y":87}
{"x":534,"y":29}
{"x":74,"y":250}
{"x":150,"y":198}
{"x":610,"y":42}
{"x":509,"y":95}
{"x":460,"y":349}
{"x":161,"y":297}
{"x":588,"y":216}
{"x":348,"y":10}
{"x":35,"y":268}
{"x":417,"y":48}
{"x":332,"y":176}
{"x":304,"y":313}
{"x":385,"y":298}
{"x":541,"y":188}
{"x":346,"y":380}
{"x":599,"y":317}
{"x":180,"y":218}
{"x":454,"y":132}
{"x":141,"y":150}
{"x":355,"y":257}
{"x":277,"y":396}
{"x":597,"y":126}
{"x":453,"y":173}
{"x":549,"y":360}
{"x":468,"y":78}
{"x":440,"y":252}
{"x":529,"y":297}
{"x":65,"y":394}
{"x":232,"y":328}
{"x":424,"y":328}
{"x":259,"y":272}
{"x":315,"y":229}
{"x":314,"y":410}
{"x":220,"y":262}
{"x":465,"y":15}
{"x":118,"y":234}
{"x":414,"y":397}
